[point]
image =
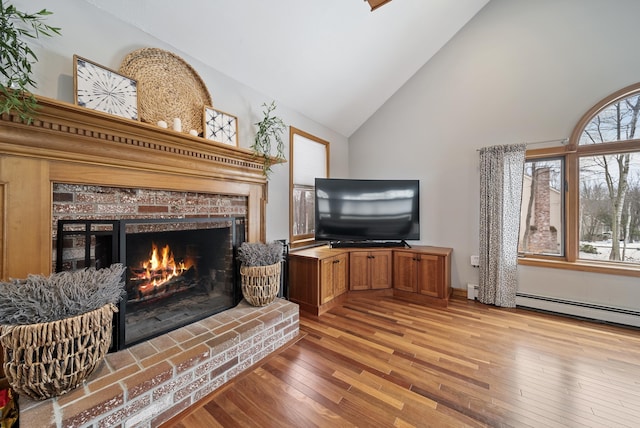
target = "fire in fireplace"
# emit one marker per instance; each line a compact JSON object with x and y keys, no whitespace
{"x":161,"y":276}
{"x":178,"y":270}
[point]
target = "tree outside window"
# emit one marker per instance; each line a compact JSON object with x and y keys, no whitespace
{"x":609,"y":181}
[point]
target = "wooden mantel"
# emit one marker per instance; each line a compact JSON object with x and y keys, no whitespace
{"x":71,"y":144}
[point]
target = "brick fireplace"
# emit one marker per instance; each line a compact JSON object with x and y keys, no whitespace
{"x":90,"y":202}
{"x":71,"y":146}
{"x":99,"y":225}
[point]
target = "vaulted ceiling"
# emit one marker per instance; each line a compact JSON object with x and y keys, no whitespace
{"x":335,"y":61}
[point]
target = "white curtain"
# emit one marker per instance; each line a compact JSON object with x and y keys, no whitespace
{"x":501,"y":173}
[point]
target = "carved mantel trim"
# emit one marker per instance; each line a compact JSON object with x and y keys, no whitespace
{"x":68,"y":143}
{"x":87,"y":136}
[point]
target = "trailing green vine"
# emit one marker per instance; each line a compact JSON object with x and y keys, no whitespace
{"x":17,"y":57}
{"x":269,"y":128}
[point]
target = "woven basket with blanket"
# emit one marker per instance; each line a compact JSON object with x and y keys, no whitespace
{"x":56,"y":330}
{"x":260,"y":271}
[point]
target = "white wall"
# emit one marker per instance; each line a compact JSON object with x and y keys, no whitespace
{"x":520,"y":71}
{"x":99,"y":37}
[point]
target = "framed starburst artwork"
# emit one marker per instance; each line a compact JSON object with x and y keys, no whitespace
{"x":99,"y":88}
{"x":220,"y":126}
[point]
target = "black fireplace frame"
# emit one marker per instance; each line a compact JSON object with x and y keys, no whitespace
{"x":115,"y":231}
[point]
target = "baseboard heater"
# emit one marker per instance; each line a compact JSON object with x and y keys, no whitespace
{"x":590,"y":311}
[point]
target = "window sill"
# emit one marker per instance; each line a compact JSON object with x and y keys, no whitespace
{"x":309,"y":242}
{"x":583,"y":266}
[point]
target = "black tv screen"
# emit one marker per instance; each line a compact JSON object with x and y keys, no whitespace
{"x":360,"y":210}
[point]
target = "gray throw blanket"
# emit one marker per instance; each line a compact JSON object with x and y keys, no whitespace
{"x":39,"y":298}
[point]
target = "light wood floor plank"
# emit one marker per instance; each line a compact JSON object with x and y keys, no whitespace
{"x":383,"y":362}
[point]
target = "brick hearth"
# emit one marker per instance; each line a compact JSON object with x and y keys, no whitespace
{"x":149,"y":383}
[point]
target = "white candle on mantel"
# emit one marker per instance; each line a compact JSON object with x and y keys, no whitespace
{"x":162,"y":124}
{"x":177,"y":124}
{"x":193,"y":132}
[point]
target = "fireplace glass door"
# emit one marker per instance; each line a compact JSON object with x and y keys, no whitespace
{"x":178,"y":270}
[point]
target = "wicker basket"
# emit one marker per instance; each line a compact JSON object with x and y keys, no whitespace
{"x":48,"y":359}
{"x":168,"y":88}
{"x":260,"y":284}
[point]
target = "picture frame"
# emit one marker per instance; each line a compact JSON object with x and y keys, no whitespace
{"x":99,"y":88}
{"x":220,"y":126}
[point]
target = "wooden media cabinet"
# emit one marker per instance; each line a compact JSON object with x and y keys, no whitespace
{"x":321,"y":277}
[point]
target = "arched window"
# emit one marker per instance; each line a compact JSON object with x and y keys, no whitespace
{"x":617,"y":121}
{"x":597,"y":182}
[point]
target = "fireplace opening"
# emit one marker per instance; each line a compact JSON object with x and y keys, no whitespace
{"x":178,"y":270}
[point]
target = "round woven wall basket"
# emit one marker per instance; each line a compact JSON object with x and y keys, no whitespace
{"x":168,"y":88}
{"x":260,"y":284}
{"x":45,"y":360}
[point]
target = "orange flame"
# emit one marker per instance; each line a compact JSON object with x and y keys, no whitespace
{"x":160,"y":267}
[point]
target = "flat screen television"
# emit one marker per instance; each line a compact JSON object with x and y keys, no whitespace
{"x":354,"y":210}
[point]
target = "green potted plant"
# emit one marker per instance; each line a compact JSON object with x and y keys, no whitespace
{"x":270,"y":128}
{"x":55,"y":330}
{"x":260,"y":271}
{"x":17,"y":57}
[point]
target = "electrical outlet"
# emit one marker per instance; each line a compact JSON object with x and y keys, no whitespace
{"x":475,"y":261}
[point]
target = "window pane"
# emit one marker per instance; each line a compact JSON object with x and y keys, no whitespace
{"x":617,"y":122}
{"x":309,"y":159}
{"x":610,"y":207}
{"x":541,"y":214}
{"x":304,"y":207}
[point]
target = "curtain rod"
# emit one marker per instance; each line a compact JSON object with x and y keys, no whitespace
{"x":563,"y":141}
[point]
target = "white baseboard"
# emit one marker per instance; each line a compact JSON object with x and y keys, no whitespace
{"x":580,"y":309}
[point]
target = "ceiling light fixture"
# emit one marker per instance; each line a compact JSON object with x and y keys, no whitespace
{"x":376,"y":3}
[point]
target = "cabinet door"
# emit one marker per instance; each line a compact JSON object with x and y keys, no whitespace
{"x":380,"y":269}
{"x":303,"y":280}
{"x":340,"y":274}
{"x":430,"y":275}
{"x":359,"y":270}
{"x":326,"y":280}
{"x":404,"y":271}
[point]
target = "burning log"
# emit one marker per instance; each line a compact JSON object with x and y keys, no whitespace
{"x":151,"y":275}
{"x":144,"y":289}
{"x":159,"y":277}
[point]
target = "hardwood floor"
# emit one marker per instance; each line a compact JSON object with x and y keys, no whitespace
{"x":383,"y":362}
